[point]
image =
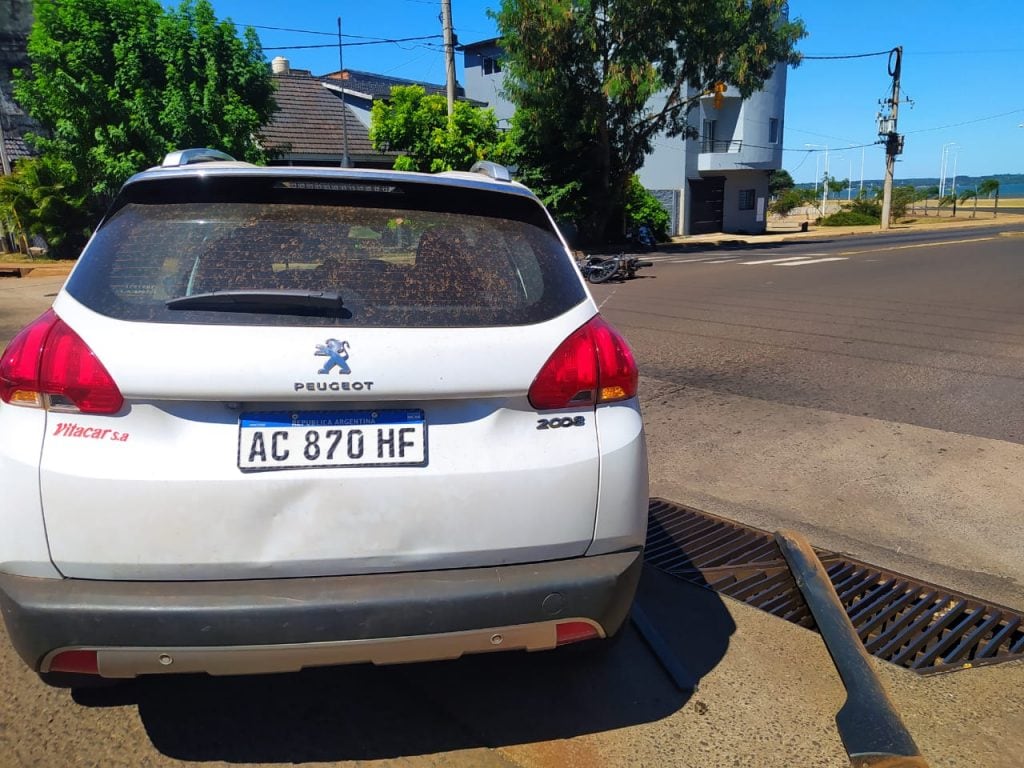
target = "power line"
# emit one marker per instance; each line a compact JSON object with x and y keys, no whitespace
{"x":350,"y":45}
{"x":332,"y":35}
{"x":846,"y":56}
{"x":821,"y":135}
{"x":286,"y":29}
{"x":833,"y":150}
{"x":969,"y":122}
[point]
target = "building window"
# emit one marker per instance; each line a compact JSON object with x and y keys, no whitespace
{"x":491,"y":66}
{"x":773,"y":130}
{"x":708,"y":136}
{"x":746,"y":199}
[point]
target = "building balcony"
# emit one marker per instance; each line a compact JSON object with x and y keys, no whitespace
{"x":734,"y":155}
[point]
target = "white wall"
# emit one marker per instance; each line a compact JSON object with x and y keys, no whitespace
{"x":735,"y":220}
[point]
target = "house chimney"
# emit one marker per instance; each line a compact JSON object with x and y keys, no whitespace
{"x":280,"y":66}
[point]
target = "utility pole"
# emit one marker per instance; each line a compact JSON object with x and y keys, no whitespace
{"x":449,"y":54}
{"x":346,"y":162}
{"x":887,"y":130}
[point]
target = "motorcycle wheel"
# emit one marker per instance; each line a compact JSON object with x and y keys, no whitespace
{"x":603,"y":272}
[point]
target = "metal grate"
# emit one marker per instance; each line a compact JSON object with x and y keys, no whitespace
{"x":919,"y":626}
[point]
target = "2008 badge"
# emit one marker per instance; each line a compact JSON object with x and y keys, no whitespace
{"x":565,"y":421}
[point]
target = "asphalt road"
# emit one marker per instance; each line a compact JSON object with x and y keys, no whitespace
{"x":868,"y":396}
{"x":922,"y":328}
{"x":864,"y":390}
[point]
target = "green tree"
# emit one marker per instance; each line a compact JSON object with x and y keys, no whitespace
{"x":790,"y":199}
{"x":584,"y":75}
{"x":966,"y":195}
{"x":417,"y":124}
{"x":119,"y":83}
{"x":43,"y":197}
{"x":643,"y":208}
{"x":779,"y":181}
{"x":987,"y":188}
{"x":925,"y":194}
{"x":948,"y":200}
{"x":217,"y":89}
{"x":902,"y":198}
{"x":836,"y":186}
{"x":866,"y":207}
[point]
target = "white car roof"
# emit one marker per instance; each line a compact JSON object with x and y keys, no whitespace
{"x":226,"y":169}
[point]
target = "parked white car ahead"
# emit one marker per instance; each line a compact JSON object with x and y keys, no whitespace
{"x":287,"y":417}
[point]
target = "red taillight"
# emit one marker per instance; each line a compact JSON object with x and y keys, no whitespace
{"x":82,"y":662}
{"x":48,"y":358}
{"x":574,"y":632}
{"x":19,"y":367}
{"x":594,"y":365}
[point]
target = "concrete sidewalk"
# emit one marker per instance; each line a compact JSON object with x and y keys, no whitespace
{"x":782,"y":233}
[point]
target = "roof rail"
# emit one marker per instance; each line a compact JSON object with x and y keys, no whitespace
{"x":198,"y":155}
{"x":495,"y":171}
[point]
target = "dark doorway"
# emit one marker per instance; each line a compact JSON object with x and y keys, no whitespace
{"x":707,"y":205}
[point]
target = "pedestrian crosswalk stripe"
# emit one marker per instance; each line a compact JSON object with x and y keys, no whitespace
{"x":812,"y":261}
{"x":777,"y":261}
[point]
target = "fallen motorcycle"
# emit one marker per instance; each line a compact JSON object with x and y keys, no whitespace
{"x":601,"y":269}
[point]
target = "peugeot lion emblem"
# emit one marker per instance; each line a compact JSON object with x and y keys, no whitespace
{"x":336,"y":353}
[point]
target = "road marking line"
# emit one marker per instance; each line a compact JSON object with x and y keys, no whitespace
{"x":813,"y":261}
{"x":775,"y":261}
{"x":691,"y":261}
{"x":721,"y":261}
{"x":607,"y":298}
{"x":916,"y":245}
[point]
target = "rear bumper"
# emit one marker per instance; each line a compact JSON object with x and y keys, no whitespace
{"x":236,"y":627}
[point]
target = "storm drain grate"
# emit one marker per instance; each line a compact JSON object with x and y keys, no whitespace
{"x":919,"y":626}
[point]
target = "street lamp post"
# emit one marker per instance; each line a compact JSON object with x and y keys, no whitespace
{"x":942,"y":170}
{"x":824,"y":181}
{"x":824,"y":184}
{"x":956,"y":157}
{"x":861,"y":190}
{"x":807,"y":146}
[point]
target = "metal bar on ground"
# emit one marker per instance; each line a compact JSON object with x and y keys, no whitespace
{"x":869,"y":725}
{"x":899,"y":619}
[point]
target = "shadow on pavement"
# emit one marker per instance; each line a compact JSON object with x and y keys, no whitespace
{"x":369,"y":713}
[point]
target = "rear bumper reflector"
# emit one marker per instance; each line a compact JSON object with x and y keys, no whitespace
{"x":82,"y":662}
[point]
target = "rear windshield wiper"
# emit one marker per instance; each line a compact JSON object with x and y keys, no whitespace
{"x":280,"y":302}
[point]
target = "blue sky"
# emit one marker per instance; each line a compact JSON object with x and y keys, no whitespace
{"x":963,"y":67}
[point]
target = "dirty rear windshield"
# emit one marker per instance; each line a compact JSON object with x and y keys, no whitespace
{"x":405,"y":255}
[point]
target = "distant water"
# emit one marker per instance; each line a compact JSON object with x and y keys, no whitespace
{"x":1011,"y":190}
{"x":1005,"y":190}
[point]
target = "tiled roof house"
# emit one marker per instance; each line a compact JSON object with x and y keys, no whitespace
{"x":307,"y":128}
{"x":311,"y":123}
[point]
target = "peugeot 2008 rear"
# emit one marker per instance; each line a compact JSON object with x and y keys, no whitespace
{"x":284,"y":417}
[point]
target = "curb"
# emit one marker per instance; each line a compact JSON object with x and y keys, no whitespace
{"x":818,"y":232}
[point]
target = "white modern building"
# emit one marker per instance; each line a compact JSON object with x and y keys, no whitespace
{"x":717,"y":182}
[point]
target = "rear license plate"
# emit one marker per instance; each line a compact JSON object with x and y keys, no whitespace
{"x":307,"y":439}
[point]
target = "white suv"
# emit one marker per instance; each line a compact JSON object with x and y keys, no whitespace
{"x":288,"y":417}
